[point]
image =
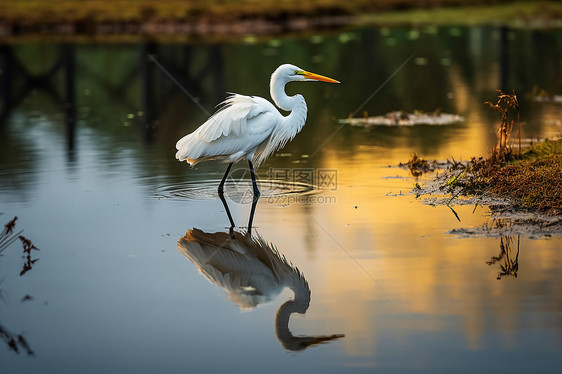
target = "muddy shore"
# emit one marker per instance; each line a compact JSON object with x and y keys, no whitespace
{"x":453,"y":183}
{"x":505,"y":218}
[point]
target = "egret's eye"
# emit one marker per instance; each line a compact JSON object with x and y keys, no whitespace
{"x":296,"y":72}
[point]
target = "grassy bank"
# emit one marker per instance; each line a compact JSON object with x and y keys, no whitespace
{"x":531,"y":181}
{"x":539,"y":13}
{"x":81,"y":16}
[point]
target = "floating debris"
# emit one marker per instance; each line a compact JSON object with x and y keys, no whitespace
{"x":418,"y":165}
{"x":548,"y":99}
{"x":531,"y":225}
{"x":542,"y":96}
{"x":401,"y":118}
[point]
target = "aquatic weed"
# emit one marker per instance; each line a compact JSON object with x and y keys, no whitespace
{"x":506,"y":103}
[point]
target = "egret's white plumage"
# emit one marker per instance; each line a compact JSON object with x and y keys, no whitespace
{"x":236,"y":130}
{"x":252,"y":272}
{"x":249,"y":126}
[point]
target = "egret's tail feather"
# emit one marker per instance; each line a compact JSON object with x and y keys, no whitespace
{"x":188,"y":150}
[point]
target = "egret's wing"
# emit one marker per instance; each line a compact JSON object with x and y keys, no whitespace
{"x":240,"y":119}
{"x":228,"y":264}
{"x":247,"y":290}
{"x":231,"y":118}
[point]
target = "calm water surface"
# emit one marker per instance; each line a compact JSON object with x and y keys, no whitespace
{"x":87,"y":135}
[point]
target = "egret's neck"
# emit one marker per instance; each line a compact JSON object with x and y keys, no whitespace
{"x":298,"y":305}
{"x":294,"y":104}
{"x":296,"y":282}
{"x":289,"y":126}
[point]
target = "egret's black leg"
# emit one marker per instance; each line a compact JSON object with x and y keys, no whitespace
{"x":231,"y":229}
{"x":252,"y":211}
{"x":254,"y":184}
{"x":221,"y":185}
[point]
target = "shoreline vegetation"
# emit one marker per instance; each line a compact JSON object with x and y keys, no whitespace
{"x":528,"y":179}
{"x":531,"y":181}
{"x":523,"y":196}
{"x":242,"y":17}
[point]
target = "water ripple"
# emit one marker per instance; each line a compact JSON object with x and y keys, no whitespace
{"x":240,"y":190}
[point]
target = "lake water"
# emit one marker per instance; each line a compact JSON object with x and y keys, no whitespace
{"x":87,"y":135}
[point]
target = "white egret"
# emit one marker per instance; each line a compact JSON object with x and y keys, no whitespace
{"x":249,"y":126}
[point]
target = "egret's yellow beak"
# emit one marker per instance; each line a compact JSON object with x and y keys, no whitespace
{"x":317,"y":77}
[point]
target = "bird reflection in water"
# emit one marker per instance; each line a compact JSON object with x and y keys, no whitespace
{"x":253,"y":272}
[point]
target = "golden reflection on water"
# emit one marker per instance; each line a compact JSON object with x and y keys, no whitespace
{"x":374,"y":245}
